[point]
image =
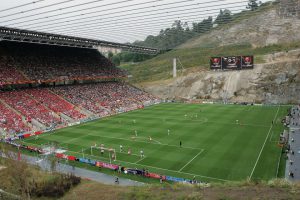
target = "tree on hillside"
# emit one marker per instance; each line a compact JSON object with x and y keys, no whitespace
{"x":252,"y":4}
{"x":110,"y":55}
{"x":224,"y":17}
{"x":170,"y":37}
{"x":116,"y":60}
{"x":203,"y":26}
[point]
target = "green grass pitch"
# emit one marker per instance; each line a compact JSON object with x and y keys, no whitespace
{"x":214,"y":146}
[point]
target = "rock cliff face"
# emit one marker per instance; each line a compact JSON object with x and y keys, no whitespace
{"x":276,"y":81}
{"x":289,"y":8}
{"x":258,"y":30}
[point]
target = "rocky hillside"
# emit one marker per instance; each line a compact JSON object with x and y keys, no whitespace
{"x":258,"y":29}
{"x":269,"y":34}
{"x":276,"y":81}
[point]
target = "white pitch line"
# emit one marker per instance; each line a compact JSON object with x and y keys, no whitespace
{"x":149,"y":166}
{"x":191,"y":160}
{"x":138,"y":141}
{"x":74,"y":139}
{"x":179,"y":172}
{"x":140,"y":160}
{"x":271,"y":136}
{"x":263,"y":146}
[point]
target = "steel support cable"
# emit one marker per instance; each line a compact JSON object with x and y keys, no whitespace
{"x":22,"y":5}
{"x":118,"y":12}
{"x":112,"y":19}
{"x":107,"y":36}
{"x":46,"y":17}
{"x":105,"y":28}
{"x":132,"y":32}
{"x":151,"y":27}
{"x":56,"y":26}
{"x":135,"y":26}
{"x":145,"y":29}
{"x":33,"y":9}
{"x":62,"y":18}
{"x":250,"y":13}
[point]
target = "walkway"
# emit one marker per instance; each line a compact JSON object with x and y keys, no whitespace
{"x":293,"y":161}
{"x":83,"y":173}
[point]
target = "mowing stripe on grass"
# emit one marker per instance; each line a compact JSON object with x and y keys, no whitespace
{"x":263,"y":146}
{"x":191,"y":160}
{"x":219,"y":133}
{"x":73,"y":139}
{"x":149,"y":166}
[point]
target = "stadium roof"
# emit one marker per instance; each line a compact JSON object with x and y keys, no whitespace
{"x":18,"y":35}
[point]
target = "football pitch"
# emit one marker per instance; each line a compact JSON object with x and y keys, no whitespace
{"x":219,"y":142}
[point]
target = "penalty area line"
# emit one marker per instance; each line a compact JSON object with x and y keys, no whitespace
{"x":191,"y":160}
{"x":149,"y":166}
{"x":174,"y":171}
{"x":140,"y":160}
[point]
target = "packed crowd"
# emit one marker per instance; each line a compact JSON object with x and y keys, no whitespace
{"x":29,"y":107}
{"x":41,"y":63}
{"x":24,"y":63}
{"x":55,"y":103}
{"x":104,"y":98}
{"x":9,"y":74}
{"x":46,"y":105}
{"x":11,"y":122}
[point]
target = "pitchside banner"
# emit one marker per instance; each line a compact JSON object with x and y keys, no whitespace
{"x":215,"y":63}
{"x":247,"y":62}
{"x":231,"y":62}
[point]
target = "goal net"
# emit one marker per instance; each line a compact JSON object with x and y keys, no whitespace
{"x":111,"y":151}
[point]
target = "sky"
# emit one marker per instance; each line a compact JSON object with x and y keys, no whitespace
{"x":111,"y":20}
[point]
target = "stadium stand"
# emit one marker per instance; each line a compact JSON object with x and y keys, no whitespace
{"x":29,"y":107}
{"x":41,"y":63}
{"x":9,"y":74}
{"x":11,"y":122}
{"x":46,"y":87}
{"x":104,"y":98}
{"x":55,"y":103}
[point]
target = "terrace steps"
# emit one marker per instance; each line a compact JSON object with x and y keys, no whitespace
{"x":18,"y":113}
{"x":81,"y":110}
{"x":54,"y":114}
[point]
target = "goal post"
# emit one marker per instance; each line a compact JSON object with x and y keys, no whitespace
{"x":111,"y":151}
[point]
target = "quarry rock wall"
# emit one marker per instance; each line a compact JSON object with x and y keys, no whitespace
{"x":276,"y":81}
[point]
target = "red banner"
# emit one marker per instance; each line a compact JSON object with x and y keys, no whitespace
{"x":38,"y":132}
{"x":26,"y":135}
{"x":60,"y":155}
{"x":71,"y":158}
{"x":157,"y":176}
